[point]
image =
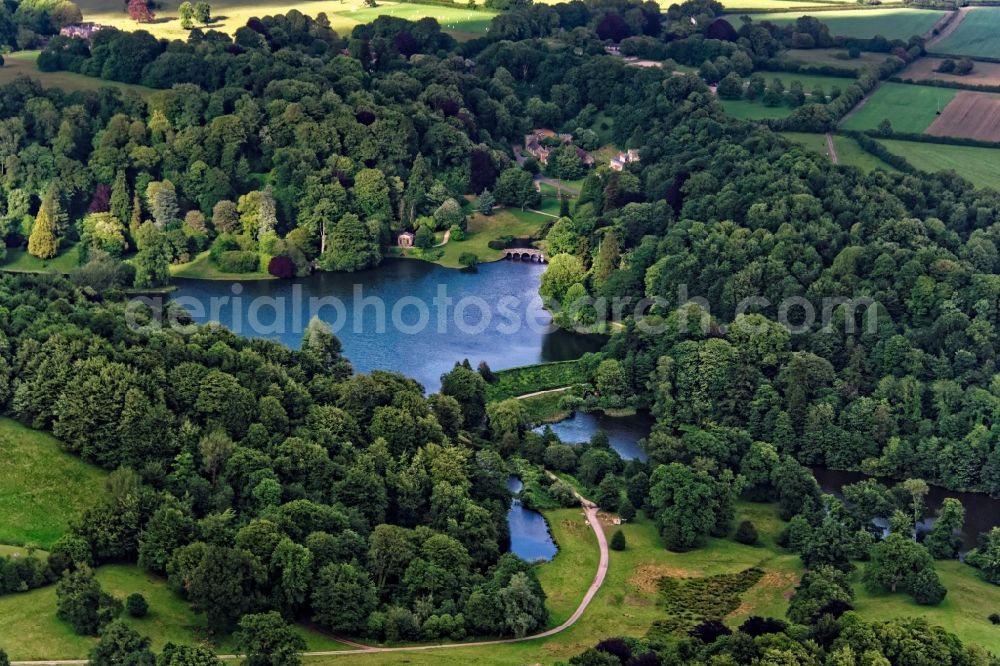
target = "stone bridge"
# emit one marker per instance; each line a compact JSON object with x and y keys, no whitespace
{"x":524,"y":254}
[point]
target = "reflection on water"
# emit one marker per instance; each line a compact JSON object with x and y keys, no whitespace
{"x":378,"y":315}
{"x":624,"y":432}
{"x":529,"y":533}
{"x":982,"y":512}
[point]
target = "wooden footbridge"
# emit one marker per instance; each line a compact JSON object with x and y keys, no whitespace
{"x":524,"y":254}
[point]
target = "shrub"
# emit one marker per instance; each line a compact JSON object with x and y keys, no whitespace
{"x":136,"y":605}
{"x":468,"y":259}
{"x":758,"y":626}
{"x":709,"y":631}
{"x":746,"y":533}
{"x":281,"y":267}
{"x":618,"y":540}
{"x":995,"y":618}
{"x":238,"y":261}
{"x":626,"y":510}
{"x":562,"y":493}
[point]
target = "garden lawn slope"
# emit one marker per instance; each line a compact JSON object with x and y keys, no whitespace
{"x":42,"y":488}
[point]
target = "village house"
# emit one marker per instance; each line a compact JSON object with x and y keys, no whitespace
{"x":618,"y":163}
{"x":533,"y":143}
{"x":82,"y":30}
{"x":405,"y":239}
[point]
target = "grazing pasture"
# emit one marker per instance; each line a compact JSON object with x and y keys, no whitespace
{"x":975,"y":36}
{"x":861,"y":23}
{"x":971,"y":115}
{"x":909,"y":108}
{"x":228,"y":15}
{"x":925,"y":69}
{"x":24,"y":62}
{"x":981,"y":166}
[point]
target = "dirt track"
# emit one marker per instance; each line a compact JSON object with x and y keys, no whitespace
{"x":948,"y":29}
{"x":970,"y":115}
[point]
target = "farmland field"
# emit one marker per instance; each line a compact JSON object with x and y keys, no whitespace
{"x":975,"y":36}
{"x":862,"y":23}
{"x":909,"y":108}
{"x":790,"y":5}
{"x":925,"y":69}
{"x":343,"y":14}
{"x":849,"y":153}
{"x":981,"y":166}
{"x":830,"y":57}
{"x":971,"y":115}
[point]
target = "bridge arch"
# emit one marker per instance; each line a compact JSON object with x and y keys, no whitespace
{"x":525,"y":254}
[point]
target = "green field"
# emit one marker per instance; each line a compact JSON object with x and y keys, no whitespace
{"x":42,"y":488}
{"x":203,"y":268}
{"x":23,"y":62}
{"x":757,"y":110}
{"x":861,"y":23}
{"x":229,"y":15}
{"x":830,"y":57}
{"x":19,"y":261}
{"x":975,"y":36}
{"x":981,"y":166}
{"x":753,"y":110}
{"x":483,"y":229}
{"x":909,"y":108}
{"x":849,"y":153}
{"x":30,"y":630}
{"x":790,"y":5}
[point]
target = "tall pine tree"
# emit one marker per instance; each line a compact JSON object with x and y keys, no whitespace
{"x":120,"y":205}
{"x":42,"y":242}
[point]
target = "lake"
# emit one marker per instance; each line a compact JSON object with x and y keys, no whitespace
{"x":982,"y":512}
{"x":409,"y":316}
{"x":530,"y":538}
{"x":624,"y":432}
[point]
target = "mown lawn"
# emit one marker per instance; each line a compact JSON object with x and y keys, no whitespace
{"x":229,"y":15}
{"x":832,"y":57}
{"x":975,"y":36}
{"x":531,"y":378}
{"x":24,"y":62}
{"x":19,"y":261}
{"x":860,"y":23}
{"x":483,"y":229}
{"x":30,"y":630}
{"x":979,"y":165}
{"x":203,"y":268}
{"x":909,"y":108}
{"x":42,"y":488}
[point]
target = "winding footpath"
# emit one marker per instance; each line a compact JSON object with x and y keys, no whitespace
{"x":590,"y":510}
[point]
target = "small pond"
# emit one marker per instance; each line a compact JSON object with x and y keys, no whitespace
{"x":529,"y":533}
{"x":624,"y":432}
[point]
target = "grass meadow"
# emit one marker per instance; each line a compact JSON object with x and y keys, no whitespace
{"x":895,"y":23}
{"x":42,"y":488}
{"x":19,"y":261}
{"x":981,"y":166}
{"x":229,"y":15}
{"x":975,"y":36}
{"x":909,"y":108}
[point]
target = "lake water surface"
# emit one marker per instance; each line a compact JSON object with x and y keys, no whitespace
{"x":530,"y":538}
{"x":409,"y":316}
{"x":624,"y":432}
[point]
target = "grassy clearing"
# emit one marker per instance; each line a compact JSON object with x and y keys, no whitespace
{"x":42,"y":488}
{"x":203,"y":268}
{"x":849,"y":153}
{"x":229,"y":15}
{"x":861,"y":23}
{"x":545,"y":408}
{"x":30,"y":630}
{"x":24,"y":63}
{"x":975,"y":36}
{"x":832,"y":57}
{"x":747,"y":110}
{"x":483,"y":229}
{"x":531,"y":378}
{"x":964,"y":611}
{"x":981,"y":166}
{"x":19,"y":261}
{"x":909,"y":108}
{"x":790,"y":5}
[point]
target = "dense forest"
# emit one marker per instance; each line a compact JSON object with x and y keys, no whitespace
{"x":259,"y":478}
